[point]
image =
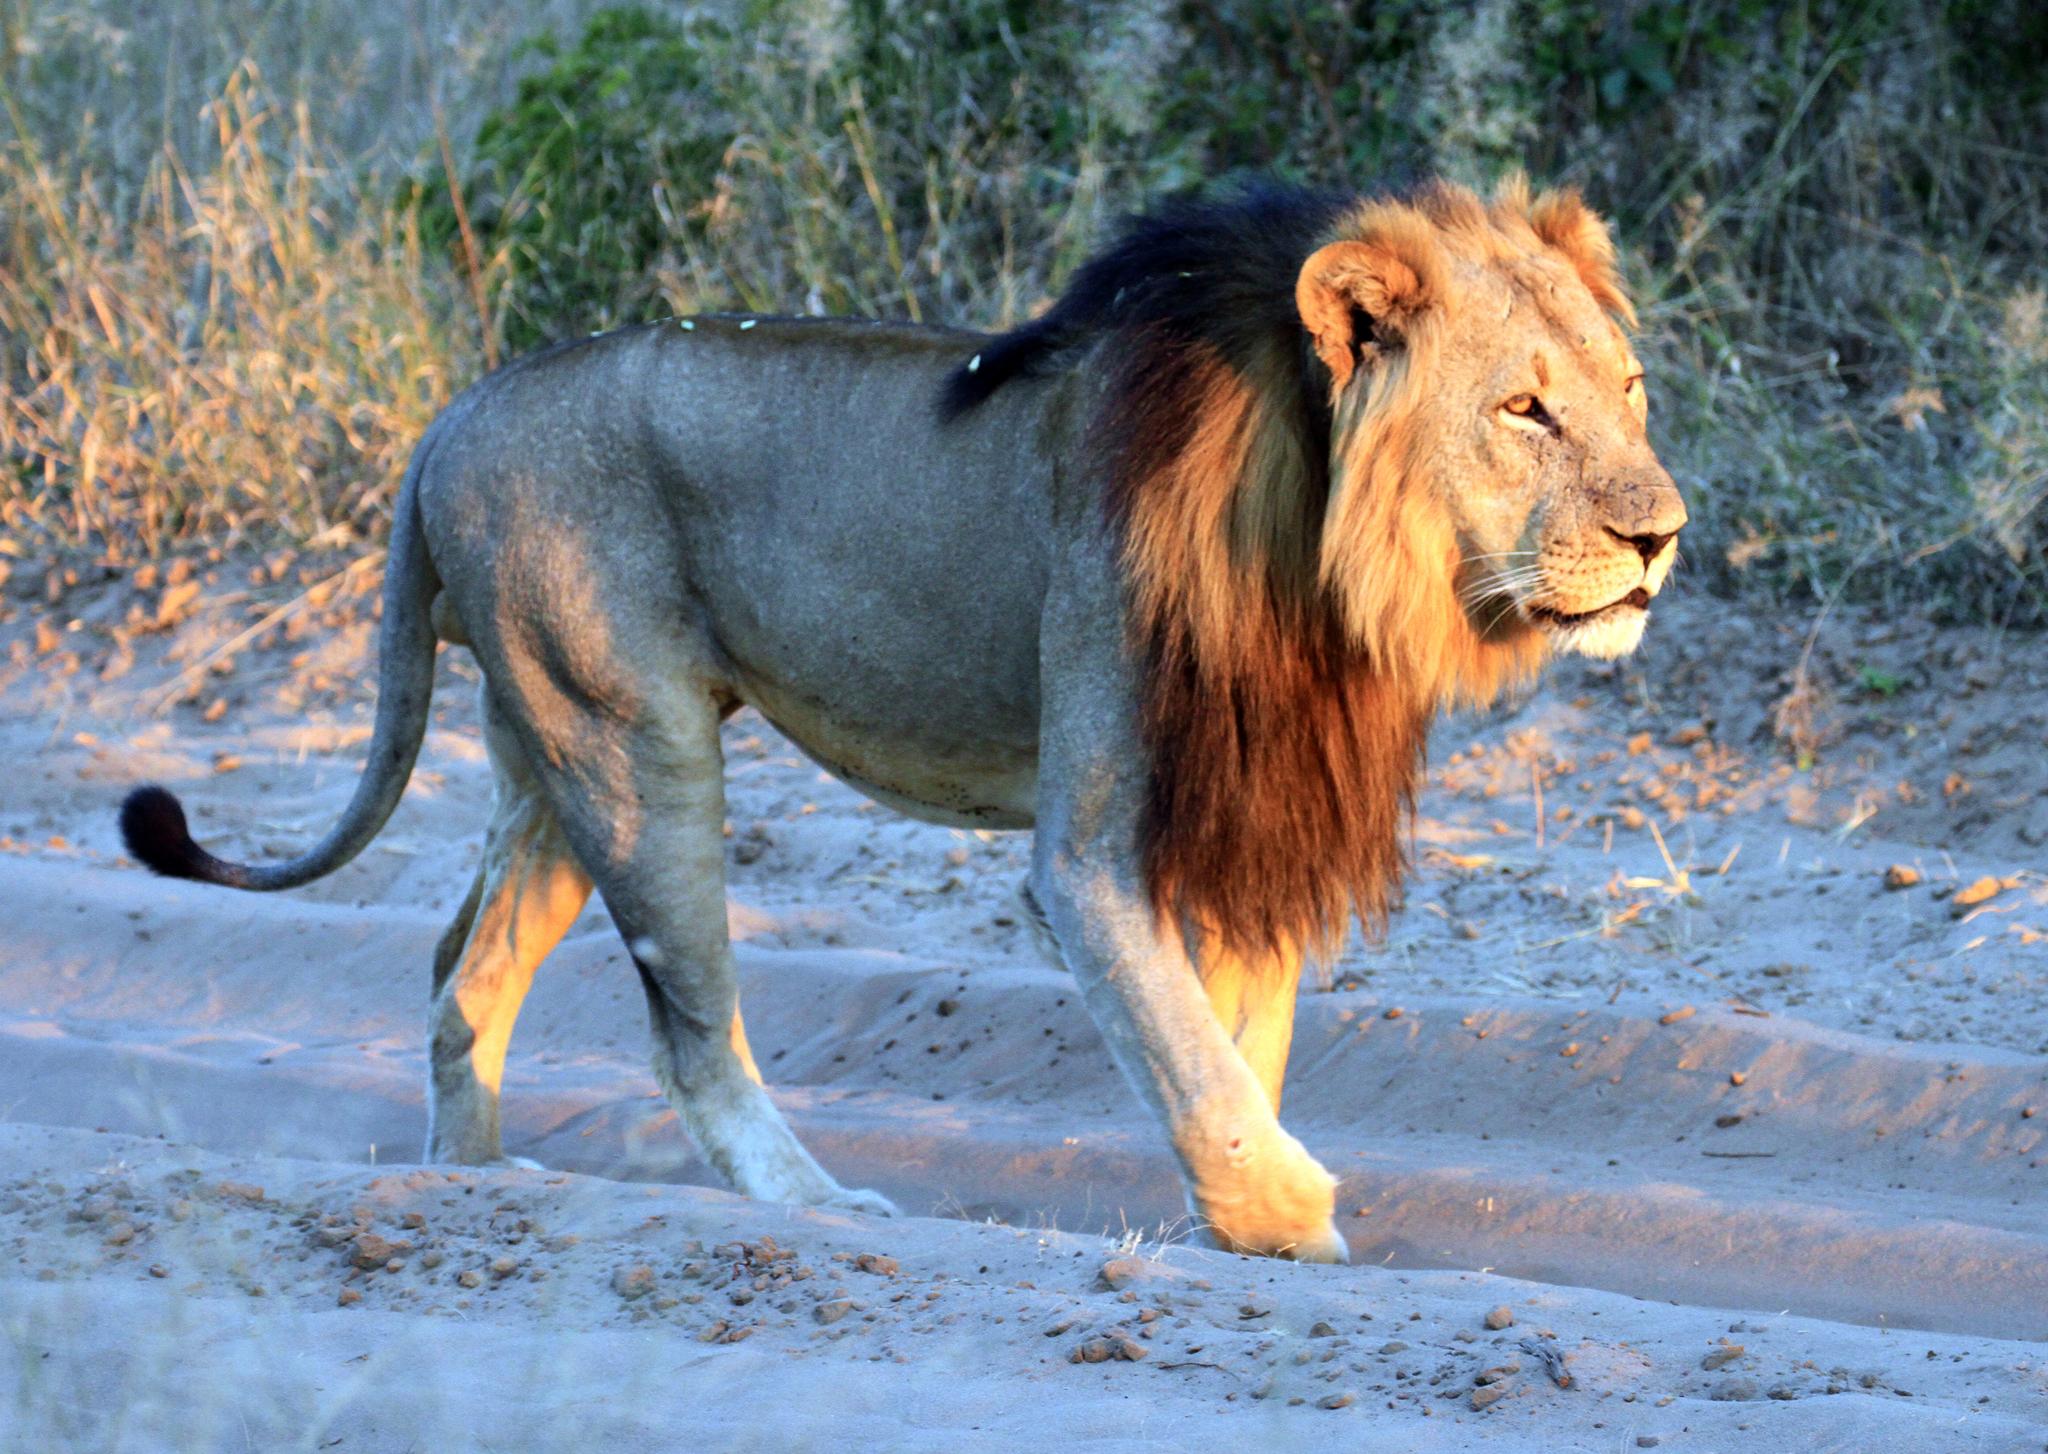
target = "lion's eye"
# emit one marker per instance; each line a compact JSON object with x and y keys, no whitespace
{"x":1529,"y":409}
{"x":1633,"y":385}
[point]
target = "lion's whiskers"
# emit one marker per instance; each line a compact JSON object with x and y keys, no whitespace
{"x":1508,"y":604}
{"x":1508,"y":583}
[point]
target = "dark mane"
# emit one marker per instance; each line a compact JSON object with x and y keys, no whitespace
{"x":1213,"y":270}
{"x":1289,"y":585}
{"x":1281,"y":761}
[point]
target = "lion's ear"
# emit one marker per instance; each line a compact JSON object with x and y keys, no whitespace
{"x":1565,"y":223}
{"x":1351,"y":294}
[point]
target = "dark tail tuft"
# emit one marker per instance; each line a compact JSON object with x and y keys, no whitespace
{"x":153,"y":827}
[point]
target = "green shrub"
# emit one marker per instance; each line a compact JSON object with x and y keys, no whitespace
{"x":574,"y":189}
{"x":1832,"y":211}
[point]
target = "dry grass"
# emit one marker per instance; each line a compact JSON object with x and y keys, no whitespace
{"x":235,"y":353}
{"x":215,"y":320}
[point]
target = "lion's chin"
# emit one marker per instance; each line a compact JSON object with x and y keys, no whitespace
{"x":1605,"y":634}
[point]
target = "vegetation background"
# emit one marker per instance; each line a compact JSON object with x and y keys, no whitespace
{"x":248,"y":247}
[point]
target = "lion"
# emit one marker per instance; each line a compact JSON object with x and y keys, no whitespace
{"x":1175,"y":575}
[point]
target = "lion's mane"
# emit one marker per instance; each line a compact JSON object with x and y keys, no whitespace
{"x":1291,"y":584}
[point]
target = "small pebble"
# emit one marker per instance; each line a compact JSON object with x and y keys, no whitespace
{"x":632,"y":1282}
{"x":1501,"y":1317}
{"x":372,"y":1251}
{"x":1120,"y":1272}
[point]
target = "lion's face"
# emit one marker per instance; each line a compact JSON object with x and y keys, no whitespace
{"x":1496,"y":423}
{"x":1565,"y":521}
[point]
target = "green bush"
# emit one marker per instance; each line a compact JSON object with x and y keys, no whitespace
{"x":1833,"y":211}
{"x":575,"y":189}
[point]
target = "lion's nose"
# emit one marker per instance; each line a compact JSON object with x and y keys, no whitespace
{"x":1648,"y":544}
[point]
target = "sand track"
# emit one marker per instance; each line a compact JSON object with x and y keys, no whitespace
{"x":1668,"y":1100}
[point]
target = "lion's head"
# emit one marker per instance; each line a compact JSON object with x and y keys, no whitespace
{"x":1491,"y":415}
{"x":1361,"y":458}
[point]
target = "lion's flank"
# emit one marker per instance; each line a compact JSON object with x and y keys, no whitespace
{"x":1292,"y":595}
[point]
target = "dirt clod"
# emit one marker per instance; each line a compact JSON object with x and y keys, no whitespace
{"x":1120,"y":1272}
{"x":1105,"y":1347}
{"x":372,"y":1251}
{"x":1501,"y":1317}
{"x":1983,"y":890}
{"x":633,"y":1282}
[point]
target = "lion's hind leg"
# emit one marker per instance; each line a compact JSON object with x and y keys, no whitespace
{"x":527,"y":892}
{"x":646,"y":812}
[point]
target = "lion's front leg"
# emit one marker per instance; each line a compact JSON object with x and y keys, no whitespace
{"x":1253,"y":998}
{"x":1250,"y":1185}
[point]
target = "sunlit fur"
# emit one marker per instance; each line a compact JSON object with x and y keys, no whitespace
{"x":1293,"y":576}
{"x":1389,"y":556}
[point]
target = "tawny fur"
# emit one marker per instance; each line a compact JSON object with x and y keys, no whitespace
{"x":1175,"y":576}
{"x":1290,"y":592}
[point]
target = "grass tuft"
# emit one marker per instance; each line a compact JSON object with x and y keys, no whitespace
{"x":233,"y":353}
{"x":1834,"y":215}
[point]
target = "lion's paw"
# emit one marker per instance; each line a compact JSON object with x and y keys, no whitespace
{"x":859,"y":1199}
{"x":1328,"y":1245}
{"x":1322,"y":1244}
{"x":514,"y":1163}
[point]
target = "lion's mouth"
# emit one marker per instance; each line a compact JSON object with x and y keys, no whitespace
{"x":1636,"y":600}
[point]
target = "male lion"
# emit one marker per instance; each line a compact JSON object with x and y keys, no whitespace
{"x":1176,"y":574}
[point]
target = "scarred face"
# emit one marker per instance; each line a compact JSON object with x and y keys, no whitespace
{"x":1566,"y":522}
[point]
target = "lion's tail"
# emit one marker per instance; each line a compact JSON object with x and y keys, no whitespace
{"x":153,"y":823}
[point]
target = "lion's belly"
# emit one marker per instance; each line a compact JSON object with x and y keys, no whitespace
{"x":972,"y":782}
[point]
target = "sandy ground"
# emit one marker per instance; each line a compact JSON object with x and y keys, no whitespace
{"x":1663,"y":1121}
